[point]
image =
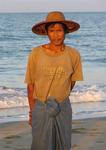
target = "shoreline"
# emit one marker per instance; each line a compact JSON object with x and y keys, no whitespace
{"x":87,"y":134}
{"x":76,"y":119}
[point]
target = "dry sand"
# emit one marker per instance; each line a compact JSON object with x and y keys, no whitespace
{"x":87,"y":134}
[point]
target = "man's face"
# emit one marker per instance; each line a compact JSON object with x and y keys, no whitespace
{"x":56,"y":34}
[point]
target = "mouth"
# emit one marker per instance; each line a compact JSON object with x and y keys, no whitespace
{"x":56,"y":41}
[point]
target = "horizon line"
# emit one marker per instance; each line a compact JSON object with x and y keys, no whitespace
{"x":53,"y":10}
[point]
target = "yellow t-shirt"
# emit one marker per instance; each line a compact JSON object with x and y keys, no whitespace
{"x":43,"y":68}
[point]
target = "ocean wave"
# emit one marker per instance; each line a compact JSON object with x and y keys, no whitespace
{"x":87,"y":94}
{"x":99,"y":60}
{"x":11,"y":97}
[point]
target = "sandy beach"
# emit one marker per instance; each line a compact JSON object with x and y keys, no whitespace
{"x":87,"y":134}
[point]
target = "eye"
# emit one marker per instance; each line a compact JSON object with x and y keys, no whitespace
{"x":60,"y":30}
{"x":50,"y":30}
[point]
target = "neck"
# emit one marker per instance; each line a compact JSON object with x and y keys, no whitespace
{"x":56,"y":48}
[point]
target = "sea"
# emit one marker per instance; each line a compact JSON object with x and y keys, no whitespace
{"x":88,"y":98}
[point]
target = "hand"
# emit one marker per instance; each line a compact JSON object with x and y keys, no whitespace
{"x":30,"y":118}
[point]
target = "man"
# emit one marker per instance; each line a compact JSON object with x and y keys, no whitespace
{"x":52,"y":71}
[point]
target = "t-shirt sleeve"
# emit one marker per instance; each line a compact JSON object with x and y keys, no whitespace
{"x":77,"y":74}
{"x":30,"y":70}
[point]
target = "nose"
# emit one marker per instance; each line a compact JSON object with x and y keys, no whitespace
{"x":56,"y":34}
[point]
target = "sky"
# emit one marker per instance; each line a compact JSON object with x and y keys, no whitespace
{"x":49,"y":5}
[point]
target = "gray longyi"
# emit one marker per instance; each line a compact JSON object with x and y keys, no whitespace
{"x":51,"y":125}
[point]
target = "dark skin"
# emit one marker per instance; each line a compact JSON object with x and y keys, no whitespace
{"x":31,"y":100}
{"x":56,"y":35}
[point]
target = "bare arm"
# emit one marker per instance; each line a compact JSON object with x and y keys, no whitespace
{"x":30,"y":90}
{"x":31,"y":100}
{"x":72,"y":84}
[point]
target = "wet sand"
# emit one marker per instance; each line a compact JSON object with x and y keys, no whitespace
{"x":87,"y":134}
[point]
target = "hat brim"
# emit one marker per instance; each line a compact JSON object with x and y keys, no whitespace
{"x":40,"y":27}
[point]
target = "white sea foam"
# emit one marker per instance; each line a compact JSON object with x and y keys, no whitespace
{"x":87,"y":102}
{"x":90,"y":94}
{"x":10,"y":98}
{"x":4,"y":90}
{"x":15,"y":101}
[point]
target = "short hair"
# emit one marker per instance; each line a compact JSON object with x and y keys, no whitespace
{"x":53,"y":23}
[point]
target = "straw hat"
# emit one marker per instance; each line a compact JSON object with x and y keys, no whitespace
{"x":58,"y":17}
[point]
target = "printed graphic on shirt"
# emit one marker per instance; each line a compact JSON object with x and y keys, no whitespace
{"x":49,"y":71}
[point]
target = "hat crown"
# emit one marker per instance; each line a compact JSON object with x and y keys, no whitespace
{"x":55,"y":16}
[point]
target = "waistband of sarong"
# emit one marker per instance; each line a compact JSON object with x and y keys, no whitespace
{"x":63,"y":103}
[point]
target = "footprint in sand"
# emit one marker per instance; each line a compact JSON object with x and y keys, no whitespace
{"x":99,"y":141}
{"x":16,"y":148}
{"x":94,"y":132}
{"x":79,"y":130}
{"x":12,"y":137}
{"x":75,"y":145}
{"x":9,"y":139}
